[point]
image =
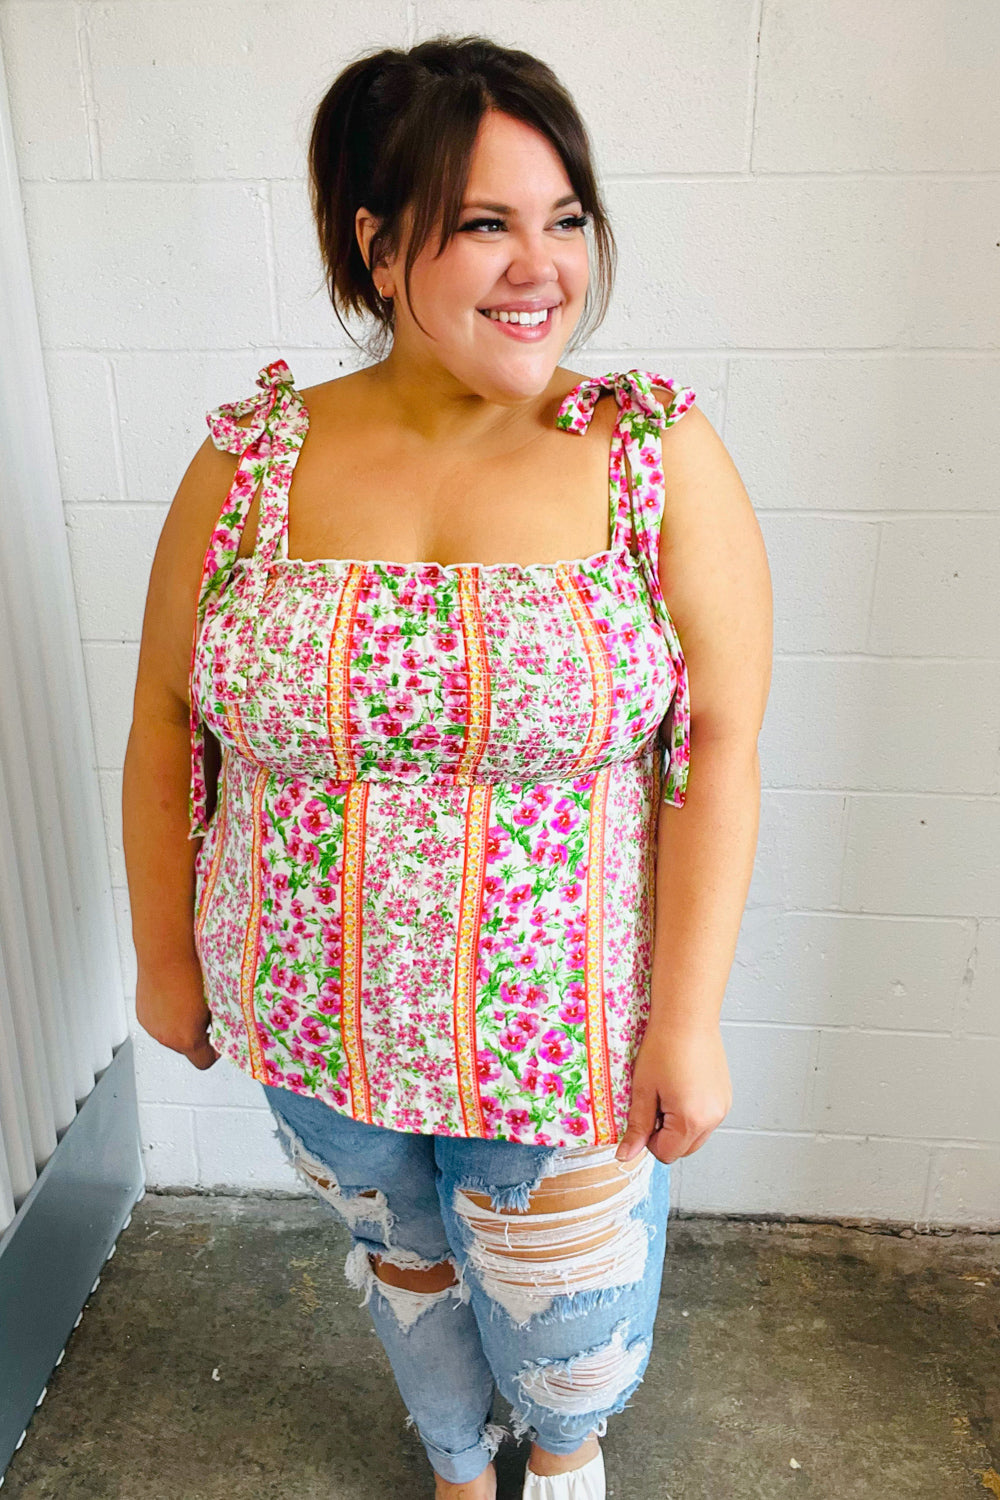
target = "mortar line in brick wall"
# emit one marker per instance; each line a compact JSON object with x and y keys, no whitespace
{"x":881,"y":656}
{"x":806,"y":174}
{"x":870,"y":618}
{"x":82,"y":24}
{"x":930,"y":1141}
{"x":724,"y":384}
{"x":860,"y":514}
{"x":966,"y":985}
{"x":813,"y":1071}
{"x":869,"y":916}
{"x":751,"y":1023}
{"x":845,"y":831}
{"x":271,"y":260}
{"x":753,"y":83}
{"x":194,"y":1143}
{"x":867,"y":791}
{"x":930,"y":1183}
{"x":116,"y":439}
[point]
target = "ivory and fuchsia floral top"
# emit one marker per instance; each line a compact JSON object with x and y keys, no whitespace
{"x":426,"y":892}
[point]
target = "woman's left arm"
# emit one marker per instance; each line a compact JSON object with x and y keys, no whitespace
{"x":715,"y":579}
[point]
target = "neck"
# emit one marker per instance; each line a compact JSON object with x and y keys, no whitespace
{"x":438,"y":409}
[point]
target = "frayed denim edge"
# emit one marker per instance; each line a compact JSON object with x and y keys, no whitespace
{"x":516,"y":1195}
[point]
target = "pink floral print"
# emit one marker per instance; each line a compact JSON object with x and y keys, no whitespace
{"x":426,"y":892}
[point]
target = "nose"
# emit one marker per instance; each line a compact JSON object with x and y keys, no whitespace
{"x":531,"y":261}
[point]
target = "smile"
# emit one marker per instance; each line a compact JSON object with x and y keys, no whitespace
{"x":522,"y":319}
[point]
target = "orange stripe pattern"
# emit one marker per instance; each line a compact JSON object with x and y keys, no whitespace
{"x":597,"y":1034}
{"x":338,"y":673}
{"x":597,"y":661}
{"x":477,"y":823}
{"x":251,"y":940}
{"x":477,"y":724}
{"x":351,"y":956}
{"x":234,"y":723}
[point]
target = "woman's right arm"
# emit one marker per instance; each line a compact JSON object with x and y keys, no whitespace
{"x":159,"y":856}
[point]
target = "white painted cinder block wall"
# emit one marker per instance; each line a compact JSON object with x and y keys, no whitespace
{"x":807,"y":202}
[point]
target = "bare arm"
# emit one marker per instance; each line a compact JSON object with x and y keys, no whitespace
{"x":715,"y":578}
{"x":159,"y":856}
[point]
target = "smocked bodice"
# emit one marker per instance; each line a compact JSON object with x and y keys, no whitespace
{"x":426,"y":673}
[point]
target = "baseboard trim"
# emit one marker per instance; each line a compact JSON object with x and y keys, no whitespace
{"x":52,"y":1253}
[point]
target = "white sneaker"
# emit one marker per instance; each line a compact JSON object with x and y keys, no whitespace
{"x":587,"y":1483}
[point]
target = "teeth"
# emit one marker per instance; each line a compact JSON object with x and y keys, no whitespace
{"x":526,"y":319}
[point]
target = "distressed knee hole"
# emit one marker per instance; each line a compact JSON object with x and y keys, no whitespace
{"x":320,"y":1179}
{"x":590,"y":1382}
{"x":407,"y":1303}
{"x":431,"y":1279}
{"x":578,"y":1234}
{"x":396,"y":1264}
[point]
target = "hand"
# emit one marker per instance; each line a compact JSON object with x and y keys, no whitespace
{"x":170,"y":1006}
{"x":681,"y":1073}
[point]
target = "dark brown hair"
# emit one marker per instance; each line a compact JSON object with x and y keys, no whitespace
{"x":396,"y":131}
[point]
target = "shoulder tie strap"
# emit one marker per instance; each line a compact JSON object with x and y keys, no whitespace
{"x":642,"y":418}
{"x":277,"y":409}
{"x":222,"y":421}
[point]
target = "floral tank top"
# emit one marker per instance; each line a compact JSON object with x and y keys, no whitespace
{"x":426,"y":892}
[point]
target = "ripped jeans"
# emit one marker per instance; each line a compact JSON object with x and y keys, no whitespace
{"x":556,"y":1256}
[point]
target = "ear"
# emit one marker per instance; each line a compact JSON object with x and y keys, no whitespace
{"x":364,"y":227}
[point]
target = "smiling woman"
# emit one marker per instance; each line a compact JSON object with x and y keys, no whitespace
{"x":436,"y":168}
{"x":452,"y":818}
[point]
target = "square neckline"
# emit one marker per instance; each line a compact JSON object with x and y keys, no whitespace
{"x":595,"y":562}
{"x":618,"y":552}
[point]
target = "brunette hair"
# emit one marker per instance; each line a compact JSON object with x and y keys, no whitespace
{"x":396,"y":130}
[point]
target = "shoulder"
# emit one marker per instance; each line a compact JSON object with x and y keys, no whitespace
{"x":354,"y":402}
{"x":695,"y":460}
{"x":702,"y":484}
{"x":714,"y":574}
{"x":353,"y":383}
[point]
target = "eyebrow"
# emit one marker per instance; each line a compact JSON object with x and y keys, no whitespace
{"x":505,"y":208}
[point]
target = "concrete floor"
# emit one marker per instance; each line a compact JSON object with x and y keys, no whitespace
{"x":224,"y":1357}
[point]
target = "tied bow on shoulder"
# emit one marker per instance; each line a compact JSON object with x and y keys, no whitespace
{"x":634,"y":394}
{"x":278,"y":395}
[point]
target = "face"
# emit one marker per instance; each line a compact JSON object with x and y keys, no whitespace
{"x":519,"y":245}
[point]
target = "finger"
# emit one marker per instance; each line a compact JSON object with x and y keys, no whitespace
{"x":632,"y":1143}
{"x":664,"y":1145}
{"x":697,"y":1143}
{"x":667,"y":1140}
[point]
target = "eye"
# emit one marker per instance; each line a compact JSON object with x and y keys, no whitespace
{"x":575,"y":221}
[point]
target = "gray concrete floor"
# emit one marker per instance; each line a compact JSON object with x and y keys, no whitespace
{"x":224,"y":1357}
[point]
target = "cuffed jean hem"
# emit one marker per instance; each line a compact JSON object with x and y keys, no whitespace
{"x":462,"y":1468}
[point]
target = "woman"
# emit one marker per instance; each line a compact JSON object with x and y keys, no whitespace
{"x":455,"y":906}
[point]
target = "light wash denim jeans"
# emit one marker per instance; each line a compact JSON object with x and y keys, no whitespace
{"x":556,"y":1290}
